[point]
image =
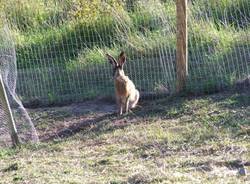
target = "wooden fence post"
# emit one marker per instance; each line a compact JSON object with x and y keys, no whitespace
{"x":6,"y":106}
{"x":181,"y":47}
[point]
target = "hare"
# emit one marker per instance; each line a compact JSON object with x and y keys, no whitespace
{"x":126,"y":94}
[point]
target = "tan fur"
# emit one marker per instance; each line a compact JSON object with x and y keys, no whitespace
{"x":123,"y":86}
{"x":127,"y":95}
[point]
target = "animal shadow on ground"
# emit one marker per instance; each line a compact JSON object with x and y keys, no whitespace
{"x":66,"y":121}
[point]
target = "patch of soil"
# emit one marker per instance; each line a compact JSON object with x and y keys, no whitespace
{"x":58,"y":122}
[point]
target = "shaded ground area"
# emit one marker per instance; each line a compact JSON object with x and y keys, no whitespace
{"x":64,"y":121}
{"x":176,"y":140}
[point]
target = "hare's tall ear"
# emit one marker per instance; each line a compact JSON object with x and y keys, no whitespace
{"x":112,"y":60}
{"x":122,"y":58}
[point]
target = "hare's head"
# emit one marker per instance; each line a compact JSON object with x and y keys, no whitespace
{"x":117,"y":65}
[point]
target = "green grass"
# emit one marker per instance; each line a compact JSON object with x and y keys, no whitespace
{"x":220,"y":61}
{"x":221,"y":57}
{"x":181,"y":139}
{"x":232,"y":13}
{"x":65,"y":59}
{"x":63,"y":44}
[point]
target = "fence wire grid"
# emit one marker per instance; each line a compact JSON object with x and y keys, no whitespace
{"x":13,"y":115}
{"x":61,"y":46}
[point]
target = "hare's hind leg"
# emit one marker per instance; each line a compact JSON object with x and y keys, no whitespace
{"x":137,"y":96}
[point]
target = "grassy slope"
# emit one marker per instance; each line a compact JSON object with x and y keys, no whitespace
{"x":185,"y":140}
{"x":74,"y":50}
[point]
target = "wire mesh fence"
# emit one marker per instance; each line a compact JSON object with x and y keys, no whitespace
{"x":218,"y":44}
{"x":61,"y":46}
{"x":13,"y":116}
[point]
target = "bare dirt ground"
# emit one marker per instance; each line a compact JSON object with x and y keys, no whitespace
{"x":59,"y":122}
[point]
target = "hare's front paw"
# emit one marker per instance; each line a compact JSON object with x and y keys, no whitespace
{"x":120,"y":111}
